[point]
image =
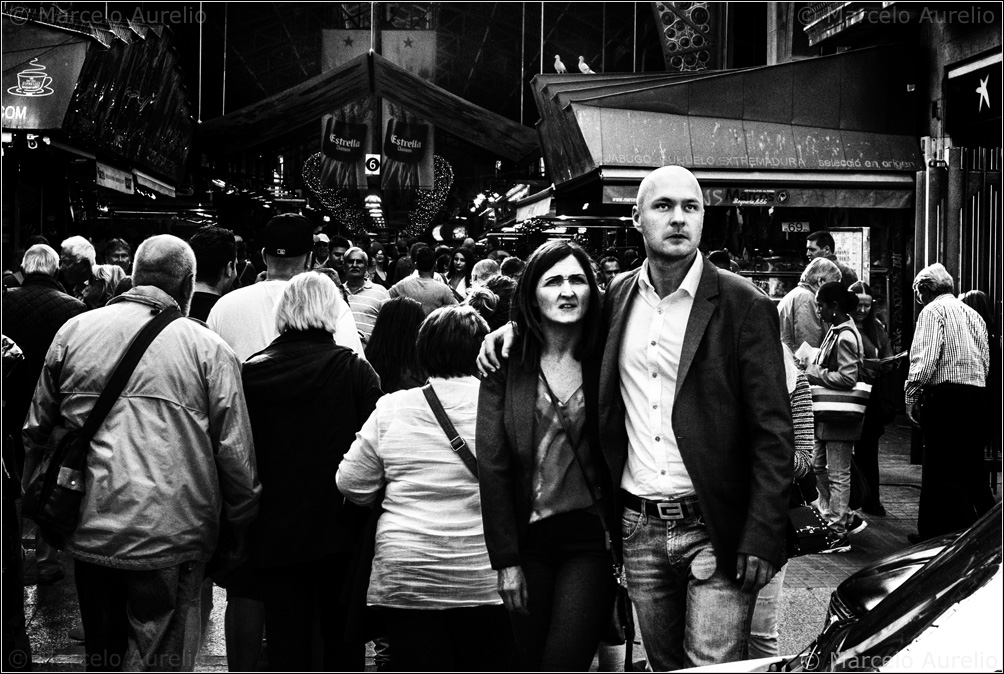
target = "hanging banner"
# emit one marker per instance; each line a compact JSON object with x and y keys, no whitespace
{"x":408,"y":150}
{"x":40,"y":71}
{"x":113,"y":178}
{"x":341,"y":46}
{"x":346,"y":135}
{"x":413,"y":50}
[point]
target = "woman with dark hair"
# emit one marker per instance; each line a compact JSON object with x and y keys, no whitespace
{"x":430,"y":575}
{"x":837,"y":365}
{"x":307,"y":397}
{"x":545,"y":489}
{"x":875,"y":342}
{"x":459,"y":275}
{"x":391,"y":349}
{"x":378,"y":269}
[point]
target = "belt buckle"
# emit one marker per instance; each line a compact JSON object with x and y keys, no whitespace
{"x":670,"y":510}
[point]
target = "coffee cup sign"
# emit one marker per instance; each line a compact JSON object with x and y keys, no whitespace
{"x":32,"y":81}
{"x":405,"y":142}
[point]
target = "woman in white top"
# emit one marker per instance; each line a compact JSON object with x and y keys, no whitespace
{"x":431,"y":576}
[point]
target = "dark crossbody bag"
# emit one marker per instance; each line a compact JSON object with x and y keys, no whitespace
{"x":620,"y":630}
{"x":55,"y":491}
{"x":457,"y":443}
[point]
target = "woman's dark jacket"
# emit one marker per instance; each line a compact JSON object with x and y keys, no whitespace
{"x":505,"y":449}
{"x":306,"y":397}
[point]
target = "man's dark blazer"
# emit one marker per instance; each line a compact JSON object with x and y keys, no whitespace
{"x":731,"y":416}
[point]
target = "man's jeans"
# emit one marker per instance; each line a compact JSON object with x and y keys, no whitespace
{"x":831,"y":461}
{"x":689,"y":613}
{"x":140,"y":620}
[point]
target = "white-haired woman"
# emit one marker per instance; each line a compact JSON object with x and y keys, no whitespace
{"x":431,"y":576}
{"x":306,"y":397}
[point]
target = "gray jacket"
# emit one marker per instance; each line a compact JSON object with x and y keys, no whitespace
{"x":175,"y":449}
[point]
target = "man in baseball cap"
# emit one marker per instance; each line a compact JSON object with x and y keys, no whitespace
{"x":322,"y":249}
{"x":245,"y":318}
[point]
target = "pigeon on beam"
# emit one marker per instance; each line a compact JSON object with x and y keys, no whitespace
{"x":558,"y":65}
{"x":584,"y":67}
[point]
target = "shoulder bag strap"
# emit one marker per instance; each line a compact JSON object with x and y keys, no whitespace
{"x":457,"y":443}
{"x":116,"y":383}
{"x":578,"y":462}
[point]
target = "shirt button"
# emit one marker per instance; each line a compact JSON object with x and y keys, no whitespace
{"x":660,"y":312}
{"x":654,"y":375}
{"x":653,"y":342}
{"x":657,"y":438}
{"x":655,"y":407}
{"x":662,"y":472}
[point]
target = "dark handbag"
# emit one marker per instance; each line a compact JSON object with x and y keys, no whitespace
{"x":806,"y":531}
{"x":55,"y":490}
{"x":457,"y":443}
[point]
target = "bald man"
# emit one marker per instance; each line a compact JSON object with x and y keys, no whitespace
{"x":698,"y":425}
{"x":174,"y":451}
{"x":696,"y":430}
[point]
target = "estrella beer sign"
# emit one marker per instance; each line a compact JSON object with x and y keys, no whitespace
{"x":408,"y":150}
{"x":344,"y":141}
{"x":345,"y":138}
{"x":406,"y":142}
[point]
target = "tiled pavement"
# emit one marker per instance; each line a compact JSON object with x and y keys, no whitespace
{"x":52,"y":610}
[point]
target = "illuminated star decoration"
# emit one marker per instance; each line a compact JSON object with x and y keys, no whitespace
{"x":348,"y":42}
{"x":984,"y":94}
{"x":408,"y":42}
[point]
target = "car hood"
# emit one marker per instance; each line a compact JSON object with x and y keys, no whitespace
{"x":862,"y":591}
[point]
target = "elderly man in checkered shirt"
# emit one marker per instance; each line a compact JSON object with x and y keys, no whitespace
{"x":946,"y":396}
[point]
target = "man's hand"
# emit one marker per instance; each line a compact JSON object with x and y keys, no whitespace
{"x":488,"y":360}
{"x":914,"y":414}
{"x":753,"y":572}
{"x":512,"y":589}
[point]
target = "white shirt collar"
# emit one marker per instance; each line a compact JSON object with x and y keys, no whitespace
{"x":690,"y":282}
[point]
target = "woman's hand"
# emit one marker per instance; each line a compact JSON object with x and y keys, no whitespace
{"x":488,"y":360}
{"x":512,"y":589}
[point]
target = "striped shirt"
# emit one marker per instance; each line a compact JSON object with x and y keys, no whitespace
{"x":365,"y":303}
{"x":805,"y":426}
{"x":950,"y":346}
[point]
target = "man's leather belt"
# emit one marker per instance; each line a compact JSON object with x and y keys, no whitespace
{"x":676,"y":509}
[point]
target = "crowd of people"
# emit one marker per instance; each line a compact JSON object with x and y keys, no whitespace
{"x":449,"y":456}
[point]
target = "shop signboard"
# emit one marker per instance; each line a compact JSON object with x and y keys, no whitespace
{"x":973,"y":102}
{"x":651,"y":139}
{"x":113,"y":178}
{"x":40,"y":71}
{"x":798,"y":197}
{"x":795,"y":227}
{"x":854,"y":249}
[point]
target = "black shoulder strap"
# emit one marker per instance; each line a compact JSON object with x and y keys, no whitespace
{"x":457,"y":443}
{"x":124,"y":370}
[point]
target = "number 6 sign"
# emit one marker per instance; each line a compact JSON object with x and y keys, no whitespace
{"x":372,"y":164}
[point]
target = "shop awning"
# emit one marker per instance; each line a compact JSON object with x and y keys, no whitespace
{"x":828,"y":116}
{"x":299,"y":108}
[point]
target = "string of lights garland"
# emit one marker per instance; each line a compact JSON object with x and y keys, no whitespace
{"x":426,"y":202}
{"x":350,"y":217}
